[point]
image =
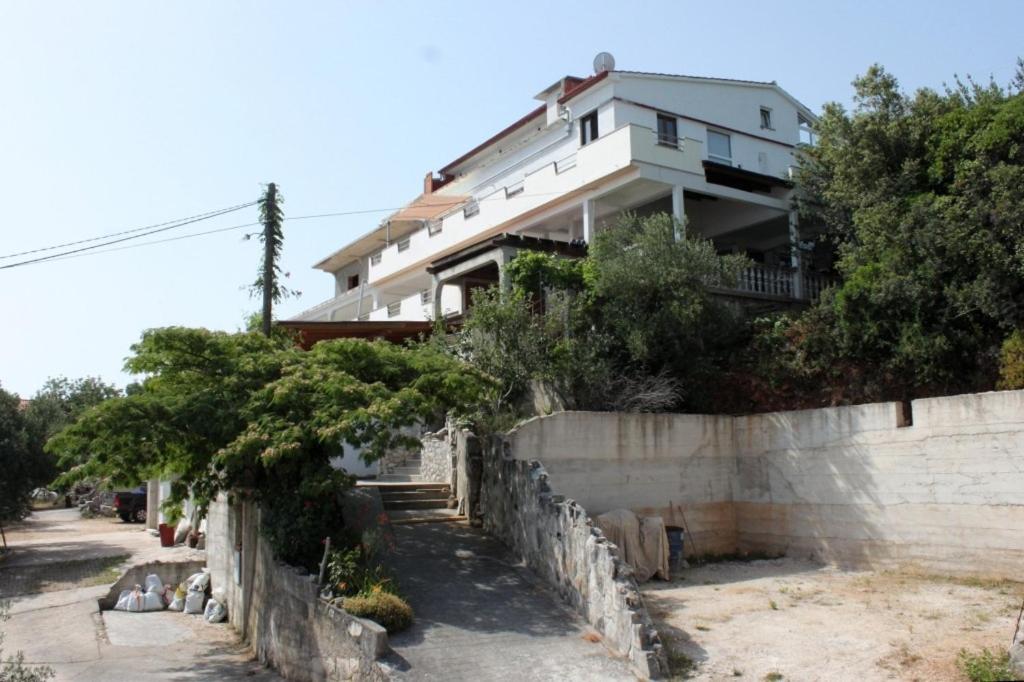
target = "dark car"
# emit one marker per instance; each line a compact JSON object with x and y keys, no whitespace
{"x":130,"y":505}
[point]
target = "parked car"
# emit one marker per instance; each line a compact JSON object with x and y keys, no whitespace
{"x":130,"y":505}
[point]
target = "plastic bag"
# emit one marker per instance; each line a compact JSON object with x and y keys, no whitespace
{"x":214,"y":612}
{"x":153,"y":601}
{"x":194,"y":601}
{"x":199,"y":582}
{"x":181,"y":532}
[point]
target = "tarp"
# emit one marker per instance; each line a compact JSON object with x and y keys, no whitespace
{"x":642,"y":542}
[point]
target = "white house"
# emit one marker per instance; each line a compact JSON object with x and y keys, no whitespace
{"x":713,"y":151}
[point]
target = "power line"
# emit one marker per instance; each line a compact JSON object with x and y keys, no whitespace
{"x":98,"y":248}
{"x":137,"y":229}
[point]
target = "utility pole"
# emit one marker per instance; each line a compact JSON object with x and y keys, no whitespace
{"x":272,"y":216}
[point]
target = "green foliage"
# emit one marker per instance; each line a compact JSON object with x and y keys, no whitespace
{"x":13,"y":668}
{"x":1011,"y":362}
{"x":17,"y":473}
{"x":258,"y":418}
{"x":985,"y":666}
{"x":630,"y":327}
{"x":924,"y":198}
{"x":385,"y":608}
{"x":357,"y":570}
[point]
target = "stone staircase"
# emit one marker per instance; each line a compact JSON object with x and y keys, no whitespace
{"x":409,"y":499}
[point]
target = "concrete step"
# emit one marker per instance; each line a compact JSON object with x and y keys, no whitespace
{"x":386,"y":485}
{"x":415,"y":504}
{"x":410,"y":516}
{"x":407,"y":471}
{"x":403,"y":494}
{"x":400,"y":478}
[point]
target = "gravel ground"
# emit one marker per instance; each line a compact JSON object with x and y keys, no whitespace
{"x":808,"y":622}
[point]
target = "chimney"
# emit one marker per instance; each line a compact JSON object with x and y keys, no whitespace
{"x":428,"y":183}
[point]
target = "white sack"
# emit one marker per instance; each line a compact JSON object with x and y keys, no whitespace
{"x":131,"y":600}
{"x":194,"y":601}
{"x":199,"y":582}
{"x":153,"y":583}
{"x":181,"y":532}
{"x":178,"y":597}
{"x":215,"y":611}
{"x":153,"y":601}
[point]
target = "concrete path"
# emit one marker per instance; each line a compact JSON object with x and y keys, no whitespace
{"x":60,"y":625}
{"x":480,"y":616}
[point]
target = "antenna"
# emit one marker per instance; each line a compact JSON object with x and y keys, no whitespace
{"x":604,"y":61}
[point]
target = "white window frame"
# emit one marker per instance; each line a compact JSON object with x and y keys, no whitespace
{"x":715,"y":157}
{"x":403,"y":244}
{"x":667,"y":140}
{"x":471,"y":209}
{"x":376,"y":258}
{"x":394,"y":309}
{"x":590,"y":128}
{"x":766,"y":115}
{"x":426,"y":297}
{"x":434,"y":227}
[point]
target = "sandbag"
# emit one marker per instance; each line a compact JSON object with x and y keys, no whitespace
{"x":153,"y":601}
{"x":153,"y":583}
{"x":131,"y":600}
{"x":178,"y":597}
{"x":214,"y":612}
{"x":181,"y":532}
{"x":194,"y":601}
{"x":199,"y":582}
{"x":642,"y":543}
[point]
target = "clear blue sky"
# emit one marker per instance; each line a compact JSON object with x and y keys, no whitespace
{"x":115,"y":115}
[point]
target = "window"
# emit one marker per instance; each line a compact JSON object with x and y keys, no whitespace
{"x":807,"y":135}
{"x":719,"y":147}
{"x":394,"y":309}
{"x":426,"y":296}
{"x":766,"y":118}
{"x":588,"y":128}
{"x":403,"y":244}
{"x":471,"y":209}
{"x":434,"y":227}
{"x":513,"y":190}
{"x":353,"y":281}
{"x":375,"y":258}
{"x":667,"y":131}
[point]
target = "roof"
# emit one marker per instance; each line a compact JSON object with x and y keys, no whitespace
{"x":571,"y":249}
{"x":395,"y":331}
{"x":727,"y":81}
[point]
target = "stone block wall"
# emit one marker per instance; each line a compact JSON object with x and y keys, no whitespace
{"x":557,"y":540}
{"x":437,"y":457}
{"x":858,"y":485}
{"x":277,"y":608}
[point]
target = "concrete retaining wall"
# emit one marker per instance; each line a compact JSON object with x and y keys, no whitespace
{"x":277,"y":609}
{"x":170,"y":572}
{"x":944,"y":493}
{"x":557,"y":540}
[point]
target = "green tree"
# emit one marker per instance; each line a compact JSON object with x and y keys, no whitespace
{"x":17,"y":473}
{"x":58,"y":403}
{"x":256,"y":417}
{"x":924,"y":198}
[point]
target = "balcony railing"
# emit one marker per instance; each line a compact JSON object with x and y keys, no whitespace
{"x":782,"y":282}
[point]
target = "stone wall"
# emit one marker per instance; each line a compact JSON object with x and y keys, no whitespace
{"x":277,"y":608}
{"x":856,"y":485}
{"x":436,"y":457}
{"x":557,"y":540}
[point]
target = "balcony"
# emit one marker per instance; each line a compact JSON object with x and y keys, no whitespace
{"x":522,"y":189}
{"x":761,"y":281}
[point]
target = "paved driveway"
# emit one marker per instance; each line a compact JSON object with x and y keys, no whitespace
{"x":61,"y":564}
{"x":480,"y":616}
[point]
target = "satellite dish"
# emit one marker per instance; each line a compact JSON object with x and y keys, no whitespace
{"x":604,"y":61}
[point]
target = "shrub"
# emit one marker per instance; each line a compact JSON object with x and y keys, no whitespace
{"x":985,"y":666}
{"x":1011,"y":362}
{"x":389,"y":610}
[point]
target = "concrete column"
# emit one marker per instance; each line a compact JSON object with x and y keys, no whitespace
{"x":794,"y":256}
{"x":678,"y":212}
{"x":589,"y":213}
{"x":503,"y":279}
{"x":438,"y":286}
{"x":152,"y":503}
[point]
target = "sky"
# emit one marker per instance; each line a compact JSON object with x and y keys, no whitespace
{"x":119,"y":115}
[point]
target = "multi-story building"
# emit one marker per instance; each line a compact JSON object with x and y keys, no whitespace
{"x":716,"y":153}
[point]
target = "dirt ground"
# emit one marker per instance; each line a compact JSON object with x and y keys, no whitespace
{"x":803,"y":621}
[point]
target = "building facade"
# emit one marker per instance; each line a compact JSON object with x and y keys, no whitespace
{"x":718,"y":154}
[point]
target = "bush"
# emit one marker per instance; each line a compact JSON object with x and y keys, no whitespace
{"x":389,"y":610}
{"x":985,"y":666}
{"x":1011,"y":362}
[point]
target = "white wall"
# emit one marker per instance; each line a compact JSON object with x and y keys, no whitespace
{"x":845,"y":484}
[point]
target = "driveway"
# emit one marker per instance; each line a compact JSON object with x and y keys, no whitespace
{"x":61,"y":564}
{"x":482,"y":616}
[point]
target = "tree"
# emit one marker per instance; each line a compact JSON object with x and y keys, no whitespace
{"x":16,"y":470}
{"x":924,"y":198}
{"x":257,"y":418}
{"x":630,"y":327}
{"x":268,"y":283}
{"x":58,"y":403}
